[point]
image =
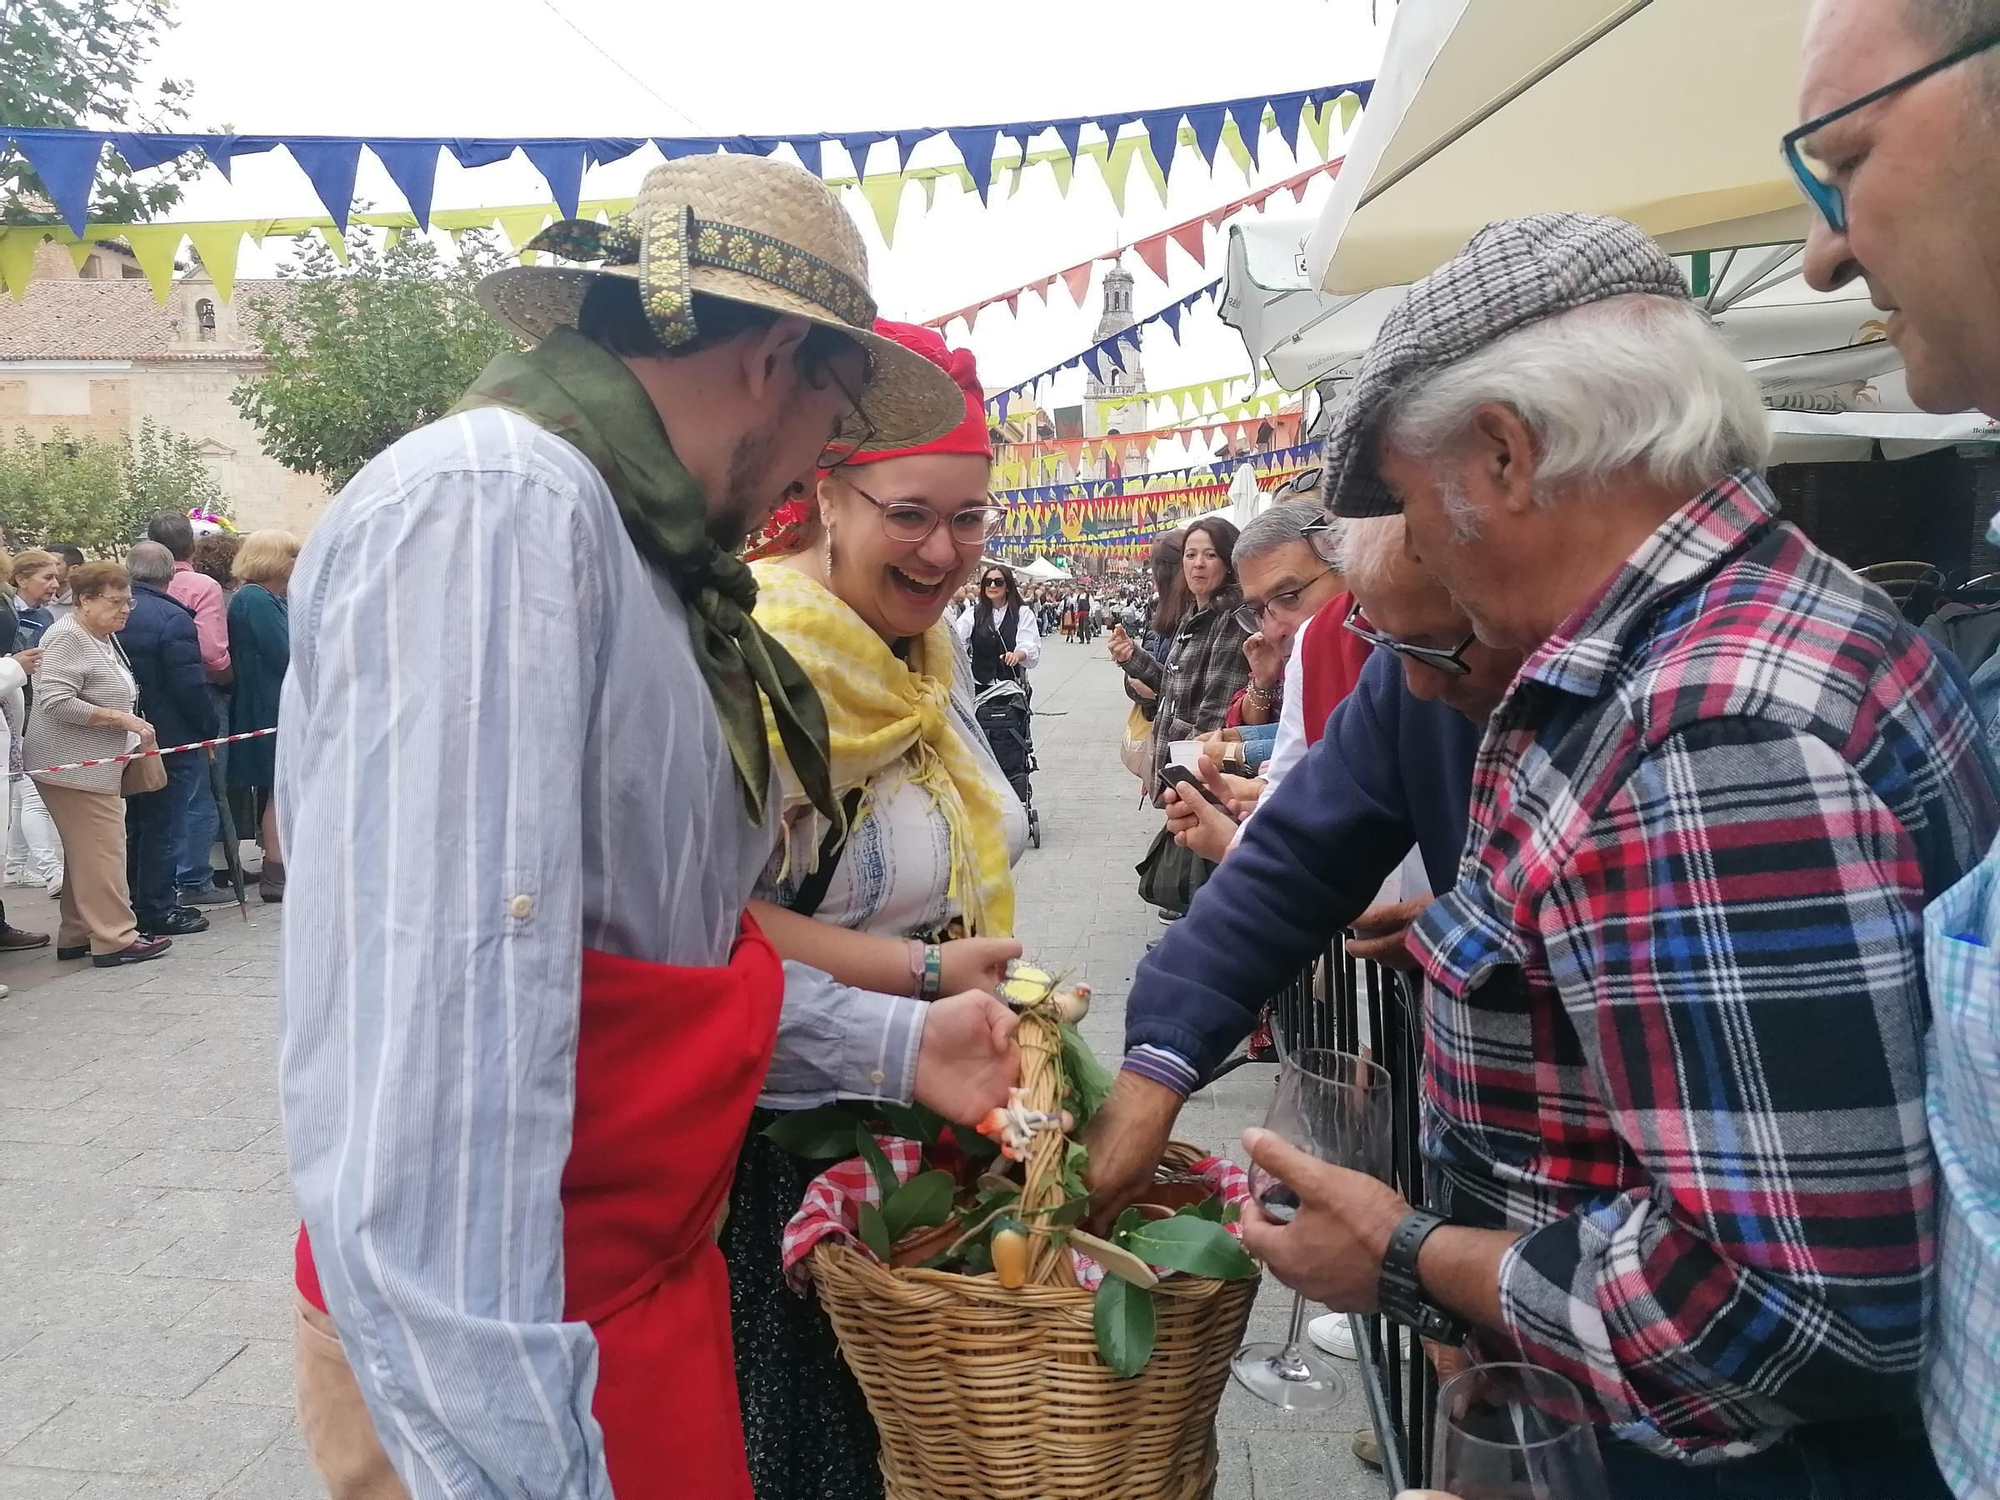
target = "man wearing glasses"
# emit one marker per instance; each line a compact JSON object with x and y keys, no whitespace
{"x":1900,"y":154}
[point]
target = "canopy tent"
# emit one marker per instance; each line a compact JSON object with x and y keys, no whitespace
{"x":1664,"y":112}
{"x":1823,"y":360}
{"x":1041,"y":570}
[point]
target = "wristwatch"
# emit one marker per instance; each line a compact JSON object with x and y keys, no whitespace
{"x":1400,"y":1294}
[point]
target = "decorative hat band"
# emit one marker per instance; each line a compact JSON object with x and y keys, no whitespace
{"x":671,"y":241}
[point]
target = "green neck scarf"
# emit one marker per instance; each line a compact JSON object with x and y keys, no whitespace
{"x":568,"y":386}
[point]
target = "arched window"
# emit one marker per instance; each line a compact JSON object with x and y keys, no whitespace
{"x":204,"y":320}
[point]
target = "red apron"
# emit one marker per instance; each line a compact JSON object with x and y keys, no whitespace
{"x":669,"y":1062}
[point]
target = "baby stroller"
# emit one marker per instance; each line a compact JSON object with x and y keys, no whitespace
{"x":1005,"y":713}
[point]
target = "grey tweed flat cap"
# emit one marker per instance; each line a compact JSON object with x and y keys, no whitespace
{"x":1512,"y":273}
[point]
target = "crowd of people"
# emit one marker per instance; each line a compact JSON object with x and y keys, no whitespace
{"x":182,"y":641}
{"x":1688,"y":837}
{"x":1708,"y":1027}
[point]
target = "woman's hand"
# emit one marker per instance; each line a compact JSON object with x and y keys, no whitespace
{"x":1121,"y":645}
{"x":1014,"y":658}
{"x":976,"y":963}
{"x":1267,"y":661}
{"x":29,"y":660}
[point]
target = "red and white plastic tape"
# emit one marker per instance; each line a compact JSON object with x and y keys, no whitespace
{"x":119,"y":760}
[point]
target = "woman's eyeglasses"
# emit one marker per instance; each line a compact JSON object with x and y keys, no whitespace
{"x":912,"y":521}
{"x":995,"y":583}
{"x":1434,"y":657}
{"x":1822,"y":191}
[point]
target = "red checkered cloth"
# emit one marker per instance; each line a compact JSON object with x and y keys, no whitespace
{"x":831,"y":1206}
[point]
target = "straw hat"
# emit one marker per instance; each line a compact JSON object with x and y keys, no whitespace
{"x":751,"y":230}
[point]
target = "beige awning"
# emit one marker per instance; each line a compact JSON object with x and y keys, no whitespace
{"x":1664,"y":112}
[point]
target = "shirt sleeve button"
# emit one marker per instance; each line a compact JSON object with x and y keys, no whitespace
{"x":877,"y":1076}
{"x":520,"y":907}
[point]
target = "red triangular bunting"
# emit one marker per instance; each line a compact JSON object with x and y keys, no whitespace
{"x":1154,"y":253}
{"x":1077,"y":279}
{"x":1188,"y":237}
{"x":1013,"y":301}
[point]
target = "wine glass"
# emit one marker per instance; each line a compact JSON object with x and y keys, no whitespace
{"x":1515,"y":1432}
{"x":1335,"y":1106}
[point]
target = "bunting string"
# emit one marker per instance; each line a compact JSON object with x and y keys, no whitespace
{"x":1150,"y":251}
{"x":67,"y":158}
{"x":1107,"y":355}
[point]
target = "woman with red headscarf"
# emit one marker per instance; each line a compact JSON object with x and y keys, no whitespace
{"x":916,"y":897}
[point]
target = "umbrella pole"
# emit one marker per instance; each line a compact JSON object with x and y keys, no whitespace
{"x":226,"y":824}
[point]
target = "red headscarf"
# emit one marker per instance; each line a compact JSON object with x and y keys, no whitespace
{"x":969,"y":436}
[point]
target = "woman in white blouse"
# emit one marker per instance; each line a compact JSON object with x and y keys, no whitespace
{"x":914,"y":897}
{"x":999,"y":628}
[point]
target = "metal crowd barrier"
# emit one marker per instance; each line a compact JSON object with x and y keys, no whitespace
{"x":1347,"y":1004}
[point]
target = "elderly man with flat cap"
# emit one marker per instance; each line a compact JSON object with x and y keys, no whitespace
{"x":1676,"y":1001}
{"x":526,"y":791}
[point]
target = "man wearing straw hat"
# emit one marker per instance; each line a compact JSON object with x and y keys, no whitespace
{"x":525,"y":789}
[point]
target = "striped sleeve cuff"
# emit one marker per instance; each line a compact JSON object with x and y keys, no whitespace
{"x":1163,"y":1067}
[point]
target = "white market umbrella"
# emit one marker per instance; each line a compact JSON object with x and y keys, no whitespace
{"x":1664,"y":112}
{"x":1044,"y":571}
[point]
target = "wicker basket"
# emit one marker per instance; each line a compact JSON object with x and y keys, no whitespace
{"x":981,"y":1393}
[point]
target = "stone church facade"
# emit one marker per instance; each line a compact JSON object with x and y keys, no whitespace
{"x":89,"y":348}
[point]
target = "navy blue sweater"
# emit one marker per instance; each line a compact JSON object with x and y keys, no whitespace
{"x":159,"y":640}
{"x":1392,"y":771}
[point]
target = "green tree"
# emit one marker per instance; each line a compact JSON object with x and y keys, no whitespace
{"x":79,"y":62}
{"x":99,"y":494}
{"x":361,"y":355}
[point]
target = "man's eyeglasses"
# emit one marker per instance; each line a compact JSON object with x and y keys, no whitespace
{"x":912,"y":521}
{"x":1823,"y":192}
{"x":856,"y":430}
{"x":1250,"y":615}
{"x":1434,"y":657}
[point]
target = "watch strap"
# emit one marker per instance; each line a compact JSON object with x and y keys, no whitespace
{"x":1400,"y":1292}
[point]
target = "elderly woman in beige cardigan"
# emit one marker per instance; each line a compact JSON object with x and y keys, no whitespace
{"x":84,"y":696}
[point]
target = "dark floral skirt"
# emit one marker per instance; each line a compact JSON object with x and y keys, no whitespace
{"x":805,"y":1423}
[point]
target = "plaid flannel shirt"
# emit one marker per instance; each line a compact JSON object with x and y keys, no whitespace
{"x":1204,"y":671}
{"x":1678,"y":1008}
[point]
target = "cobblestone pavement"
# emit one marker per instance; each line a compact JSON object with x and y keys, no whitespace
{"x":146,"y":1226}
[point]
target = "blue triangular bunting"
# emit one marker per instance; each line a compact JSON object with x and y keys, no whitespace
{"x":1164,"y":131}
{"x":906,"y":141}
{"x":610,"y":148}
{"x":807,"y":148}
{"x":1249,"y":117}
{"x":413,"y":168}
{"x":1207,"y":127}
{"x":975,"y":145}
{"x":561,"y":166}
{"x":477,"y":152}
{"x":1288,"y":108}
{"x":329,"y":165}
{"x":67,"y":165}
{"x":858,"y":146}
{"x":1070,"y":133}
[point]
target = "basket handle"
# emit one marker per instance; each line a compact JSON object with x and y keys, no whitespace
{"x":1040,"y":1041}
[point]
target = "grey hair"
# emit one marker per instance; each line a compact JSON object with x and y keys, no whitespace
{"x":1369,"y":548}
{"x":1951,"y":24}
{"x":149,"y":562}
{"x":1637,"y":380}
{"x":1300,"y":521}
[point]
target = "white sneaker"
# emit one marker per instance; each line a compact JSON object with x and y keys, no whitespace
{"x":4,"y":992}
{"x":55,"y":886}
{"x":1332,"y":1333}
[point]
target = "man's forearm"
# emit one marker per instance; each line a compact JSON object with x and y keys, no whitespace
{"x":1459,"y":1271}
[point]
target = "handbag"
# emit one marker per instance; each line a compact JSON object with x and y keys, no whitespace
{"x":1169,"y":875}
{"x":149,"y":772}
{"x":1136,"y":753}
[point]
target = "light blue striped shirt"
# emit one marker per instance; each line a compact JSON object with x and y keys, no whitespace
{"x":498,"y":750}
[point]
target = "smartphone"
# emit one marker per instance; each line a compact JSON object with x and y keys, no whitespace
{"x":1181,"y":776}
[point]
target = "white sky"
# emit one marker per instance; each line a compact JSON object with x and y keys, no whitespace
{"x":513,"y":67}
